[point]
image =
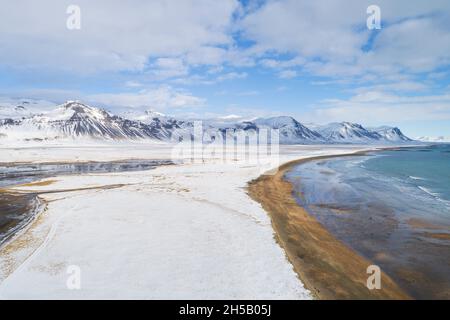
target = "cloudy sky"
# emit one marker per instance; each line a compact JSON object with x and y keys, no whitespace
{"x":314,"y":60}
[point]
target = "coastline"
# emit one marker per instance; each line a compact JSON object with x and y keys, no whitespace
{"x":234,"y":235}
{"x":327,"y":267}
{"x":19,"y":211}
{"x":141,"y":216}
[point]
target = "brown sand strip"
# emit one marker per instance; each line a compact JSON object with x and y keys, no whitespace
{"x":423,"y":224}
{"x":326,"y":266}
{"x":439,"y":236}
{"x":39,"y":183}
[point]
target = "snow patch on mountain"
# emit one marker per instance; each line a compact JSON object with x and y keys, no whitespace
{"x":291,"y":131}
{"x":347,"y":132}
{"x":392,"y":134}
{"x":16,"y":109}
{"x":440,"y":139}
{"x":76,"y":120}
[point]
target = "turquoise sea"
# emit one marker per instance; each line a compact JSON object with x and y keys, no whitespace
{"x":391,"y":206}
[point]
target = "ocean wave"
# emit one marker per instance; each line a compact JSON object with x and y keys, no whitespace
{"x":434,"y":195}
{"x":416,"y":178}
{"x":431,"y":193}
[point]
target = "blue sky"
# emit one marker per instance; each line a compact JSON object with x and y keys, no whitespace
{"x":314,"y":60}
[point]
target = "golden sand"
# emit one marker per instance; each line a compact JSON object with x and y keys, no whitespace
{"x":327,"y":267}
{"x":39,"y":183}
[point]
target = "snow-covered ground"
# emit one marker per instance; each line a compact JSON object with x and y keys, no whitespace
{"x":187,"y":231}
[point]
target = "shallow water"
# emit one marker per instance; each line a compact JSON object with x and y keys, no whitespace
{"x":12,"y":174}
{"x":392,"y":207}
{"x":16,"y":210}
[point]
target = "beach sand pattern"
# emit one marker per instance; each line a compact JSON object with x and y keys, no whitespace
{"x":328,"y":267}
{"x":372,"y":204}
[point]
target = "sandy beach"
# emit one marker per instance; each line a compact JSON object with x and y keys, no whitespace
{"x":225,"y":150}
{"x":329,"y":268}
{"x":169,"y":233}
{"x":166,"y":233}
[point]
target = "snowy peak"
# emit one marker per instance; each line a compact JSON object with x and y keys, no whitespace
{"x":154,"y":114}
{"x":22,"y":108}
{"x":83,"y":111}
{"x":277,"y":122}
{"x":291,"y":131}
{"x":74,"y":119}
{"x":347,"y":132}
{"x":74,"y":111}
{"x":439,"y":139}
{"x":159,"y":125}
{"x":392,"y":134}
{"x":145,"y":116}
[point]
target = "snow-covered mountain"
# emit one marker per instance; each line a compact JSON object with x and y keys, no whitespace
{"x":145,"y":116}
{"x":439,"y":139}
{"x":347,"y":132}
{"x":392,"y":134}
{"x":163,"y":127}
{"x":76,"y":120}
{"x":291,"y":131}
{"x":22,"y":108}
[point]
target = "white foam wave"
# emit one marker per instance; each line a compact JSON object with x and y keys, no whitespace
{"x":434,"y":194}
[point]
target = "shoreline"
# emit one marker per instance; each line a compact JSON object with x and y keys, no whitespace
{"x":328,"y":268}
{"x":18,"y":209}
{"x":146,"y":211}
{"x":142,"y":217}
{"x":27,"y":205}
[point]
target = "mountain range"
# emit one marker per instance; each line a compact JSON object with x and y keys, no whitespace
{"x":438,"y":139}
{"x":73,"y":119}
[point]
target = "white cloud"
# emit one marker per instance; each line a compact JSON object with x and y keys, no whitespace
{"x":416,"y":45}
{"x":375,"y":107}
{"x":287,"y":74}
{"x":281,"y":89}
{"x":230,"y":117}
{"x":53,"y":95}
{"x":232,"y":76}
{"x":115,"y":35}
{"x":133,"y":84}
{"x":327,"y":37}
{"x":161,"y":98}
{"x":401,"y":86}
{"x":249,"y":93}
{"x":164,"y":68}
{"x":207,"y":55}
{"x":215,"y":70}
{"x":210,"y":79}
{"x":277,"y":64}
{"x":168,"y":38}
{"x":307,"y":28}
{"x":176,"y":41}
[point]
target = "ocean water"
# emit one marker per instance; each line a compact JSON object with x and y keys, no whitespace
{"x":425,"y":170}
{"x":392,"y":207}
{"x":12,"y":174}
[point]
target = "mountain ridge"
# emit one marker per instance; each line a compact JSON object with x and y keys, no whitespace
{"x":75,"y":119}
